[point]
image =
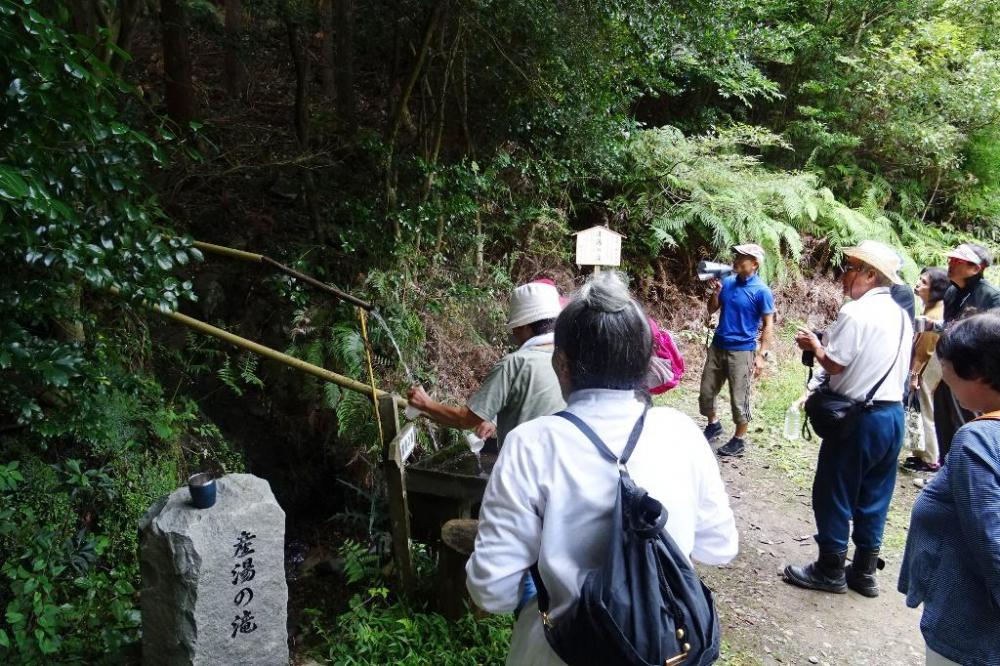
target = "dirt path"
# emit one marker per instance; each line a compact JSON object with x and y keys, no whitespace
{"x":765,"y":620}
{"x":771,"y":621}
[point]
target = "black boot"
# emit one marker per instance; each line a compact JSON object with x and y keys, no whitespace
{"x":861,"y":574}
{"x":826,"y":574}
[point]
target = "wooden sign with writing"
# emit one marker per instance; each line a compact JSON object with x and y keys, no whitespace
{"x":404,"y":443}
{"x":598,"y":246}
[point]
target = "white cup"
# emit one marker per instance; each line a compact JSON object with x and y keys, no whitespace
{"x":475,"y":444}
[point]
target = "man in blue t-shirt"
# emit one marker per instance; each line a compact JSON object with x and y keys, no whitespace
{"x":746,"y":302}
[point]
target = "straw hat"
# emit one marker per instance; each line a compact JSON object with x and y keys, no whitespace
{"x":879,"y":256}
{"x":533,"y":302}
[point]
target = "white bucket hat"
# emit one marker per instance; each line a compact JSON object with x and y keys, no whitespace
{"x":533,"y":302}
{"x":879,"y":256}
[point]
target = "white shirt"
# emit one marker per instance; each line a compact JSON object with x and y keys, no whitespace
{"x":550,"y":497}
{"x":864,"y":339}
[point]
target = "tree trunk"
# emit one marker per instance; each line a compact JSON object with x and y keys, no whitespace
{"x":343,"y":18}
{"x":300,"y":58}
{"x":233,"y":66}
{"x":397,"y":115}
{"x":128,"y":14}
{"x":178,"y":87}
{"x":83,"y":17}
{"x":326,"y":59}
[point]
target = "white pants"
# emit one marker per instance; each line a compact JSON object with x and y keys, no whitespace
{"x":928,"y":450}
{"x":934,"y":659}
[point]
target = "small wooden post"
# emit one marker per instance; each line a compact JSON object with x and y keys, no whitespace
{"x":458,"y":539}
{"x":399,"y":512}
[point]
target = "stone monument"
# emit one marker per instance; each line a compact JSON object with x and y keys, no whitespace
{"x":213,"y":580}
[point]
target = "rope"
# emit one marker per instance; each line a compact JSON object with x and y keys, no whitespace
{"x":363,"y":318}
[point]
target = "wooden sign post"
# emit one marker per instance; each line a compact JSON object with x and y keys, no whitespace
{"x":598,"y":246}
{"x":397,"y":447}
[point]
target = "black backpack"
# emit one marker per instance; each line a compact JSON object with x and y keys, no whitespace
{"x":645,"y":604}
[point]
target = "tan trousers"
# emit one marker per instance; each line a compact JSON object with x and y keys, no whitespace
{"x":734,"y":367}
{"x":927,"y":447}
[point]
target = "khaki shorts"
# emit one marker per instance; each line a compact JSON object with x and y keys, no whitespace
{"x":721,"y":366}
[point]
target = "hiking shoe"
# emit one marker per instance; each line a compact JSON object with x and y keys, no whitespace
{"x":826,"y":574}
{"x":734,"y":447}
{"x":713,"y":430}
{"x":860,"y":574}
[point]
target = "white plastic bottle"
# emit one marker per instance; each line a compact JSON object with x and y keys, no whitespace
{"x":793,"y":421}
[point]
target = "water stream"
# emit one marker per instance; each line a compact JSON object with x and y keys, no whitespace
{"x":388,"y":331}
{"x":429,"y":425}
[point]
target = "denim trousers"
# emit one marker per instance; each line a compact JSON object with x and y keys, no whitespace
{"x":855,"y":477}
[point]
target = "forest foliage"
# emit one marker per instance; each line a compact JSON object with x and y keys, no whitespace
{"x":430,"y":153}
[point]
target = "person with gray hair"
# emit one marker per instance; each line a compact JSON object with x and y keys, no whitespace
{"x":551,"y":493}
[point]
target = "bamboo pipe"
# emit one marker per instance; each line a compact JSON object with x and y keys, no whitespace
{"x":253,"y":257}
{"x":291,"y":361}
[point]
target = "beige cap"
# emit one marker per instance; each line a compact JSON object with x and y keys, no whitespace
{"x":879,"y":256}
{"x":533,"y":302}
{"x":750,"y":250}
{"x":966,"y":252}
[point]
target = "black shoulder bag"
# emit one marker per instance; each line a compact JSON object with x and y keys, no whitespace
{"x":645,"y":604}
{"x":834,"y":414}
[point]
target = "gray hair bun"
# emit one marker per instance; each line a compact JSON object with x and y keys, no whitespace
{"x":606,"y":292}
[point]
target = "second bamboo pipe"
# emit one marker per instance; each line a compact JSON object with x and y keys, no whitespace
{"x":274,"y":354}
{"x":253,"y":257}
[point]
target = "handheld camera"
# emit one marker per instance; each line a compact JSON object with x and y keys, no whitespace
{"x":809,"y":357}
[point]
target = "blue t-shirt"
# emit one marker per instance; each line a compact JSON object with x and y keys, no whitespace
{"x":743,"y":303}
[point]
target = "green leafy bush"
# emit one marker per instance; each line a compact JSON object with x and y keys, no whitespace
{"x":87,"y":440}
{"x":378,"y":629}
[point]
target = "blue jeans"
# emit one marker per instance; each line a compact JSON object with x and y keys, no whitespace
{"x":855,"y":477}
{"x":528,"y":592}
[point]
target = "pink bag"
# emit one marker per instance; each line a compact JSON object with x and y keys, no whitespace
{"x":667,"y":365}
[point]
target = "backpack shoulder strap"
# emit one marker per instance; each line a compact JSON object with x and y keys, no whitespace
{"x":602,"y":448}
{"x":874,"y":390}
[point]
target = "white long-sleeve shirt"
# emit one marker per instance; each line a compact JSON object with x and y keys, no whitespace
{"x":550,"y":497}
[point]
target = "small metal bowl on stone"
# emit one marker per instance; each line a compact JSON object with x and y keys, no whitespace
{"x":203,"y":490}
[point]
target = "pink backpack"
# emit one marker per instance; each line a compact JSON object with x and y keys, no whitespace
{"x":667,"y":365}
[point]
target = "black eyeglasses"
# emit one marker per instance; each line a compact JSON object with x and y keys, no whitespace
{"x":847,"y":267}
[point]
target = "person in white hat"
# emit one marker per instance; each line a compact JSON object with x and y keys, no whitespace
{"x":747,"y":308}
{"x":865,"y":355}
{"x":968,"y":294}
{"x":522,"y":385}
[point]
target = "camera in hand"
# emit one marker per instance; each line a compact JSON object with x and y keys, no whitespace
{"x":808,"y":356}
{"x":924,"y":325}
{"x":708,"y":270}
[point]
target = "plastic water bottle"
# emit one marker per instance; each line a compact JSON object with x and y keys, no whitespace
{"x":793,"y":421}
